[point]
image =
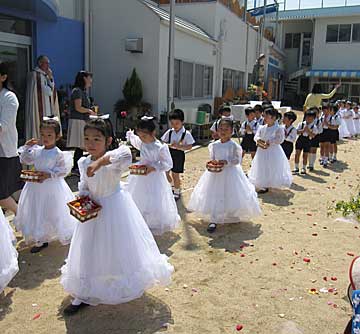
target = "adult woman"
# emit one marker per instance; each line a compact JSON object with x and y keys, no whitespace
{"x":10,"y":166}
{"x":80,"y":109}
{"x":314,"y":99}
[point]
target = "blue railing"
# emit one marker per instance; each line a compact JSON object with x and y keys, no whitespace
{"x":304,"y":4}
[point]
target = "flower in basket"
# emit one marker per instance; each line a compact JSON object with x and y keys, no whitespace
{"x":123,"y":114}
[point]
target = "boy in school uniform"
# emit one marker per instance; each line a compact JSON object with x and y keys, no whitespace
{"x":259,"y":110}
{"x":248,"y":130}
{"x":290,"y":133}
{"x":179,"y":140}
{"x":334,"y":124}
{"x":224,"y":111}
{"x":306,"y":131}
{"x":315,"y":141}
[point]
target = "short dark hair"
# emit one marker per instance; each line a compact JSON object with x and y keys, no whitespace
{"x":249,"y":111}
{"x":259,"y":107}
{"x":291,"y":116}
{"x":227,"y":121}
{"x":224,"y":108}
{"x":177,"y":114}
{"x":51,"y":123}
{"x":271,"y":112}
{"x":310,"y":113}
{"x":99,"y":125}
{"x":316,"y":89}
{"x":79,"y":80}
{"x":147,"y":125}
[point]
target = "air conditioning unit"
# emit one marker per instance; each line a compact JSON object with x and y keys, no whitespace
{"x":134,"y":45}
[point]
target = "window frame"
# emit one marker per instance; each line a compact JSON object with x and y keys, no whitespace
{"x":351,"y":39}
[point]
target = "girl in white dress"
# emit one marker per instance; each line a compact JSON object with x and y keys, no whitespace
{"x":348,"y":116}
{"x":344,"y":114}
{"x":270,"y":167}
{"x":159,"y":210}
{"x":113,"y":258}
{"x":227,"y":196}
{"x":8,"y":254}
{"x":43,"y":215}
{"x":356,"y":120}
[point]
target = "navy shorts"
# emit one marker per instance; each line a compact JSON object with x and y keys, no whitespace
{"x":303,"y":144}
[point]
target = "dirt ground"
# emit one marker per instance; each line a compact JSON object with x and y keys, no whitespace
{"x":219,"y":284}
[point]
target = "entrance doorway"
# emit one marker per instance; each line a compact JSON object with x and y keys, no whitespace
{"x":18,"y":57}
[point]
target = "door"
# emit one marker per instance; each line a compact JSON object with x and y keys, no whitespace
{"x":18,"y":57}
{"x":306,"y":48}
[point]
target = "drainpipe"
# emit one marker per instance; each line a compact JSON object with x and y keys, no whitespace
{"x":171,"y":59}
{"x":86,"y":34}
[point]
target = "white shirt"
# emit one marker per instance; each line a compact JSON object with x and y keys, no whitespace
{"x":9,"y":105}
{"x":260,"y":121}
{"x":155,"y":154}
{"x":335,"y":120}
{"x":47,"y":87}
{"x":176,"y":137}
{"x":253,"y":126}
{"x":272,"y":134}
{"x":311,"y":126}
{"x":290,"y":133}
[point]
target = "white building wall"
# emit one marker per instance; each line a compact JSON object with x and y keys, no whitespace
{"x":111,"y":64}
{"x":71,"y":9}
{"x":334,"y":56}
{"x":187,"y":48}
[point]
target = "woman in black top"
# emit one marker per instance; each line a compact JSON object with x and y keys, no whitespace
{"x":80,"y":109}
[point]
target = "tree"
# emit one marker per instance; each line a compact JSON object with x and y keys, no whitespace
{"x":132,"y":90}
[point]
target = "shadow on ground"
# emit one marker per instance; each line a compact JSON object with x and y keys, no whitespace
{"x":32,"y":273}
{"x":145,"y":315}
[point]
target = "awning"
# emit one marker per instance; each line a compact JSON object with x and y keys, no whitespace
{"x":46,"y":9}
{"x":333,"y":74}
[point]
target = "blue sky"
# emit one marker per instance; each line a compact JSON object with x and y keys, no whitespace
{"x":294,"y":4}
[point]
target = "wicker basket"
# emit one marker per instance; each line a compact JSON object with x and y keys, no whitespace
{"x":84,"y":209}
{"x":30,"y":176}
{"x":138,"y":170}
{"x":214,"y":166}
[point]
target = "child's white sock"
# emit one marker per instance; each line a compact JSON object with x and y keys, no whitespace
{"x":296,"y":166}
{"x":76,"y":302}
{"x":177,"y":191}
{"x":312,"y":158}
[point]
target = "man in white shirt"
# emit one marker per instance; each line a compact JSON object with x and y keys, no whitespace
{"x":41,"y":97}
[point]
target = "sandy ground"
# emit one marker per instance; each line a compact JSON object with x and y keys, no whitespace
{"x":215,"y":287}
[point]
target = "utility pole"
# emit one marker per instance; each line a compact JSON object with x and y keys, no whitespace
{"x":171,"y":58}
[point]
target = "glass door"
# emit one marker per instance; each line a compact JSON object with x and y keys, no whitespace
{"x":18,"y":57}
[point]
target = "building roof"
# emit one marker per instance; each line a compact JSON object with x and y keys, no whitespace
{"x":311,"y":13}
{"x":179,"y":22}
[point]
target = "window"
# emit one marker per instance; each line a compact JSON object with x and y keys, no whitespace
{"x":288,"y":41}
{"x":199,"y":80}
{"x":344,"y":32}
{"x":232,"y":79}
{"x":192,"y":80}
{"x":14,"y":25}
{"x":356,"y":32}
{"x":186,"y":79}
{"x":292,"y":41}
{"x":208,"y":81}
{"x":177,"y":78}
{"x":332,"y":33}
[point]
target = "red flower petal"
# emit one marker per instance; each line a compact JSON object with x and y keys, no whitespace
{"x":334,"y":278}
{"x":325,"y":278}
{"x":239,"y":327}
{"x":242,"y":255}
{"x":306,"y":259}
{"x":350,"y":254}
{"x":36,"y":316}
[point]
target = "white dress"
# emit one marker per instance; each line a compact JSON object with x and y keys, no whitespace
{"x":43,"y":215}
{"x":113,"y":258}
{"x":228,"y":196}
{"x":344,"y":132}
{"x":357,"y":122}
{"x":159,"y":209}
{"x":270,"y":167}
{"x":349,"y":120}
{"x":8,"y":254}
